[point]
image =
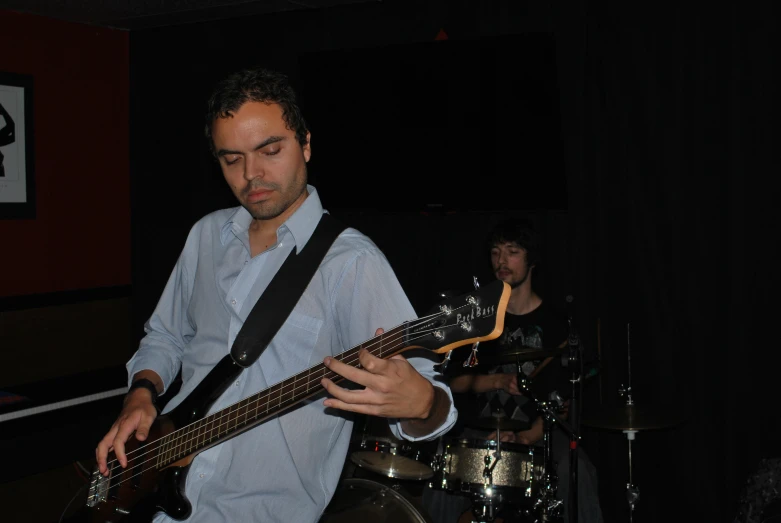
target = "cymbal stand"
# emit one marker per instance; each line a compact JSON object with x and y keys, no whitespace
{"x":575,"y":363}
{"x":632,"y":492}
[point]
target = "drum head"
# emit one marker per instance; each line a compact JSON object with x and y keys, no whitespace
{"x":365,"y":501}
{"x":392,"y":465}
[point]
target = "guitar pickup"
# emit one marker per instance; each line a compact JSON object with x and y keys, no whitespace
{"x":98,"y":489}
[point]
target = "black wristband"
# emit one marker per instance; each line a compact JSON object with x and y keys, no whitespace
{"x":144,"y":383}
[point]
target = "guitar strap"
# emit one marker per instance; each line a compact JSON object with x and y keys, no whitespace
{"x":283,"y":292}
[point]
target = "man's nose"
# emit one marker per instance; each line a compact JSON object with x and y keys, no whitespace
{"x":253,"y":168}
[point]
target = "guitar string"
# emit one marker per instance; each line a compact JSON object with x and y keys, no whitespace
{"x":384,"y":338}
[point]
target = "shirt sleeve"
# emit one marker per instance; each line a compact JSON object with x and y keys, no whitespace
{"x":425,"y":366}
{"x":168,"y":330}
{"x":368,"y":297}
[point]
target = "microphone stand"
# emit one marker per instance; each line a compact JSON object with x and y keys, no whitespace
{"x":575,"y":363}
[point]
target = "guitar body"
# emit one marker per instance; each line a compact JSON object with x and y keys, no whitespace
{"x":154,"y":480}
{"x":136,"y":494}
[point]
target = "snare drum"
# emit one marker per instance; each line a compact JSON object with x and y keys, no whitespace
{"x":517,"y":473}
{"x":378,"y":450}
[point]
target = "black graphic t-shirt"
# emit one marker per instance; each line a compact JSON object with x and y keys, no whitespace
{"x":543,"y":328}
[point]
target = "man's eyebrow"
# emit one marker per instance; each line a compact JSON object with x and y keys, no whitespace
{"x":261,"y":145}
{"x":268,"y":141}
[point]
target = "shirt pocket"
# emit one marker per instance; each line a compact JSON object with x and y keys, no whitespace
{"x":293,"y":347}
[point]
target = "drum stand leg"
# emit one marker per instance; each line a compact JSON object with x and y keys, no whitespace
{"x":550,"y":508}
{"x":632,"y":492}
{"x":485,"y":506}
{"x":484,"y":510}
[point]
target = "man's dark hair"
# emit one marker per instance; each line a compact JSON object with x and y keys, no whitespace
{"x":520,"y":231}
{"x":255,"y":85}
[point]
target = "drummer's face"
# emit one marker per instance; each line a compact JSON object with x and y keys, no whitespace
{"x":509,"y":263}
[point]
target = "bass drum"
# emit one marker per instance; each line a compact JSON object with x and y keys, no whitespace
{"x":359,"y":500}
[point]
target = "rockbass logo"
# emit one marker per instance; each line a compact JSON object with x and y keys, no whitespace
{"x":476,"y":313}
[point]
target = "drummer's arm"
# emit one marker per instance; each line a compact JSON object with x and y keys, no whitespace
{"x":531,"y":436}
{"x":484,"y":382}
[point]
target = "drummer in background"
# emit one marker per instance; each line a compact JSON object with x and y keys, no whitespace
{"x":481,"y":392}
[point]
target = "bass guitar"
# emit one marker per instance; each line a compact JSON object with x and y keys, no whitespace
{"x":154,"y":478}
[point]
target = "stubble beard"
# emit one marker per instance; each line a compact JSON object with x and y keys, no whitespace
{"x":514,"y":284}
{"x":268,"y":210}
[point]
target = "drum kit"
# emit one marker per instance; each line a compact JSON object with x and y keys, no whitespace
{"x":492,"y":474}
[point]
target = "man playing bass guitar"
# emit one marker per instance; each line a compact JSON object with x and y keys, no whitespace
{"x":287,"y":468}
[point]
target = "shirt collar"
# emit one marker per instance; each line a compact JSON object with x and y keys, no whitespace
{"x":301,"y":224}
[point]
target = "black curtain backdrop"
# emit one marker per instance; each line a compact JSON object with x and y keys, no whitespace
{"x":673,"y":137}
{"x":671,"y":148}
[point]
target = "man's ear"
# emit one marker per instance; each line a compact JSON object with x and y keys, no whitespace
{"x":307,"y":147}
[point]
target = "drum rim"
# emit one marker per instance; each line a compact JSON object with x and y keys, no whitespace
{"x":488,"y":443}
{"x":410,"y":508}
{"x":390,"y":473}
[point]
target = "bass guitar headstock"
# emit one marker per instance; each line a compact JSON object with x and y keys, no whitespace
{"x":462,"y":320}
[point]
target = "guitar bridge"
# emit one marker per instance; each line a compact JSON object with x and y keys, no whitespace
{"x":98,"y":488}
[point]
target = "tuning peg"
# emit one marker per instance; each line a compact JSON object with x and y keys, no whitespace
{"x":442,"y":367}
{"x":475,"y":282}
{"x":471,"y":361}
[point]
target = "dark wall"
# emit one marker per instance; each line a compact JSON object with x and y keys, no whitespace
{"x":80,"y":237}
{"x":448,"y":125}
{"x":668,"y":129}
{"x":65,"y":275}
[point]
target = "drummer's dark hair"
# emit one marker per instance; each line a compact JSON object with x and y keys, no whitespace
{"x":517,"y":230}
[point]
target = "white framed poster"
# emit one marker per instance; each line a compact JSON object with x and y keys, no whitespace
{"x":17,"y":180}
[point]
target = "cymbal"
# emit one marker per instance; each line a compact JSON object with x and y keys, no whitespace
{"x":632,"y":417}
{"x":519,"y":354}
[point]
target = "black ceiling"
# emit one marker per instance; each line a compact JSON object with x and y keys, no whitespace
{"x":142,"y":14}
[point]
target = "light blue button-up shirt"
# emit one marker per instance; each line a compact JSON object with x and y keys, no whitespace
{"x":287,"y":468}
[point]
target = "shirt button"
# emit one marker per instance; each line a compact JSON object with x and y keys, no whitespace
{"x":202,"y":475}
{"x":233,"y":302}
{"x":237,"y":383}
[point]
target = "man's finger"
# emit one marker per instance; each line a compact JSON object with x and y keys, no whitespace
{"x":126,"y":428}
{"x":372,"y":363}
{"x":359,"y":376}
{"x":102,"y":450}
{"x":345,"y":395}
{"x":370,"y":410}
{"x":142,"y":432}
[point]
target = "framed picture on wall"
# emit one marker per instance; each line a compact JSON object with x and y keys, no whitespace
{"x":17,"y":180}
